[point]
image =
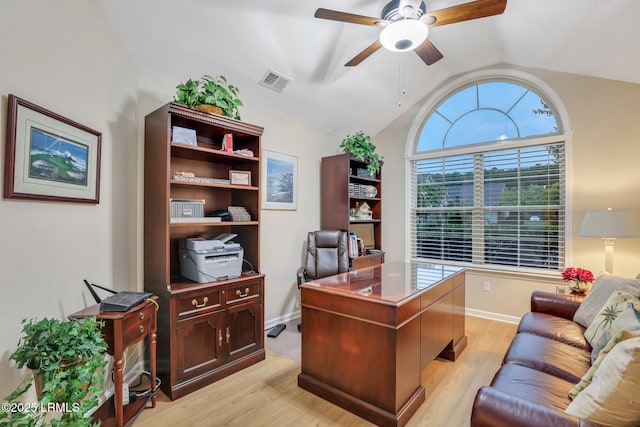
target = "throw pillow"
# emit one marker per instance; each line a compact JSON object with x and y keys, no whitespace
{"x":621,"y":311}
{"x":613,"y":395}
{"x":602,"y":288}
{"x":588,"y":377}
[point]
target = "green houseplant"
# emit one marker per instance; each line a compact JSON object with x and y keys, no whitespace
{"x":67,"y":358}
{"x":360,"y":145}
{"x":214,"y":91}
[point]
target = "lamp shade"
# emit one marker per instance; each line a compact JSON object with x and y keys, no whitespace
{"x":404,"y":34}
{"x":610,"y":224}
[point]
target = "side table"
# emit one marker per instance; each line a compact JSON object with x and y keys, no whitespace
{"x":121,"y":330}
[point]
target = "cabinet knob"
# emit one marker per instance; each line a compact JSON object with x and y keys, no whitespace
{"x":242,"y":295}
{"x":196,"y":305}
{"x":141,"y":329}
{"x":219,"y":337}
{"x":141,"y":314}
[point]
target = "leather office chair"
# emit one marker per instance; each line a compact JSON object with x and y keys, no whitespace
{"x":327,"y":254}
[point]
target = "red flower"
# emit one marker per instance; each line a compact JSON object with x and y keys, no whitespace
{"x":581,"y":274}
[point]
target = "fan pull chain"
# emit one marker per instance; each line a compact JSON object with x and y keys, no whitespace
{"x":402,"y":88}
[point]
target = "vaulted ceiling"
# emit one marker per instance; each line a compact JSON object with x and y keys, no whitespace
{"x":176,"y":40}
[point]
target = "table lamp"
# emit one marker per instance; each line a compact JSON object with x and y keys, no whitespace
{"x":609,"y":225}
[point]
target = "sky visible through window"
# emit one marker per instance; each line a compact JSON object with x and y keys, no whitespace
{"x":487,"y":112}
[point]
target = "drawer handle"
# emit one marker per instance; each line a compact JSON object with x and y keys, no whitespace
{"x":141,"y":316}
{"x":204,"y":302}
{"x":219,"y":337}
{"x":141,"y":329}
{"x":240,"y":294}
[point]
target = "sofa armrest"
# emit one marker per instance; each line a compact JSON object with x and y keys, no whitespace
{"x":495,"y":408}
{"x":560,"y":305}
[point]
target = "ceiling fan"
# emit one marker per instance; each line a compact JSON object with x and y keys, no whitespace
{"x":405,"y":25}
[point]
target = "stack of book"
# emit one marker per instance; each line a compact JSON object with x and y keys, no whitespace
{"x":239,"y":214}
{"x":356,"y":246}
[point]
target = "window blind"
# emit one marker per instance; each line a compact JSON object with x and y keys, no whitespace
{"x":492,"y":208}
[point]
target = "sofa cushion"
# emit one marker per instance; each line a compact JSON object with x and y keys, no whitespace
{"x":535,"y":386}
{"x":555,"y":328}
{"x":621,"y":311}
{"x":613,"y":397}
{"x":546,"y":355}
{"x":602,"y":288}
{"x":588,"y":377}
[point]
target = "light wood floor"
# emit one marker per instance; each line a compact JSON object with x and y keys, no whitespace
{"x":267,"y":393}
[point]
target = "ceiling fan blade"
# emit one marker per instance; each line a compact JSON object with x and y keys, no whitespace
{"x":364,"y":54}
{"x":428,"y":52}
{"x":335,"y":15}
{"x":465,"y":12}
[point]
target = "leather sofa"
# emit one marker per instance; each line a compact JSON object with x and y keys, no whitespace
{"x":548,"y":355}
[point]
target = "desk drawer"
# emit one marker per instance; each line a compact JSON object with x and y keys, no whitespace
{"x":199,"y":302}
{"x":137,"y":325}
{"x":436,"y":292}
{"x":243,"y":292}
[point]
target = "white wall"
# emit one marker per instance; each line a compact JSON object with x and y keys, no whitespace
{"x":606,"y":131}
{"x":65,"y":59}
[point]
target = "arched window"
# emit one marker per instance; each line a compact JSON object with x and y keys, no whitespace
{"x":487,"y":173}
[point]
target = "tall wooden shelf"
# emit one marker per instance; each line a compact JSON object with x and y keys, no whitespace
{"x":337,"y":173}
{"x":206,"y":331}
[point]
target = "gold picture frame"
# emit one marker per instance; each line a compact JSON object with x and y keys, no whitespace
{"x":365,"y":232}
{"x":239,"y":177}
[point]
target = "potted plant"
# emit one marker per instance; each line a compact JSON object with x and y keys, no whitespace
{"x":188,"y":93}
{"x":67,"y":358}
{"x":212,"y":94}
{"x":360,"y":145}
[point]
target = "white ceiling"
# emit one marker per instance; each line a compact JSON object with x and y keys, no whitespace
{"x":177,"y":40}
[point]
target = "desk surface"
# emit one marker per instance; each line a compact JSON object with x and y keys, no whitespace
{"x":391,"y":282}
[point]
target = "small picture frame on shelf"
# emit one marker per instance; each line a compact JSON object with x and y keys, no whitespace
{"x":184,"y":136}
{"x":239,"y":177}
{"x":365,"y":232}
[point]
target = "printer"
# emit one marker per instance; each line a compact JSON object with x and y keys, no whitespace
{"x":209,"y":260}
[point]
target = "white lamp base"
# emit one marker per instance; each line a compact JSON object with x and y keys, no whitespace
{"x":608,"y":254}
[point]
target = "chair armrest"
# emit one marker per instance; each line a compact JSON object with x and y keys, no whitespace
{"x":560,"y":305}
{"x":301,"y":276}
{"x":495,"y":408}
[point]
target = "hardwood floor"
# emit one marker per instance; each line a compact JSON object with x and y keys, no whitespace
{"x":267,"y":394}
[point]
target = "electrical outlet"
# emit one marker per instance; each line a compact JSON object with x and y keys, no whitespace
{"x":125,"y":393}
{"x":486,"y":286}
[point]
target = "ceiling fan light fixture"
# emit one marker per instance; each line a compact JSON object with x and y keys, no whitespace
{"x":403,"y":35}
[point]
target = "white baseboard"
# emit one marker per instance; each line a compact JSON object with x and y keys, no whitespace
{"x":492,"y":316}
{"x":282,"y":319}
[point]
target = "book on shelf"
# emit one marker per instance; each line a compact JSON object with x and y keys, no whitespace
{"x":356,"y":246}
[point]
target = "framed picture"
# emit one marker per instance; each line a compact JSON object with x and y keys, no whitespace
{"x":50,"y":157}
{"x":365,"y":232}
{"x":240,"y":177}
{"x":279,"y":181}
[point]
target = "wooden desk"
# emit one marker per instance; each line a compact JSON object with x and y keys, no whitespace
{"x":121,"y":330}
{"x":368,"y":334}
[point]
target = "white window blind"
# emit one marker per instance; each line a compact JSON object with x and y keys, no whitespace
{"x":492,"y":208}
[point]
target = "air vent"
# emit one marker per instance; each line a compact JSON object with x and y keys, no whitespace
{"x":275,"y":81}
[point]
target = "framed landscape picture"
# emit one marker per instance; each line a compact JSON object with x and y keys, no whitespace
{"x":50,"y":157}
{"x":279,"y":181}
